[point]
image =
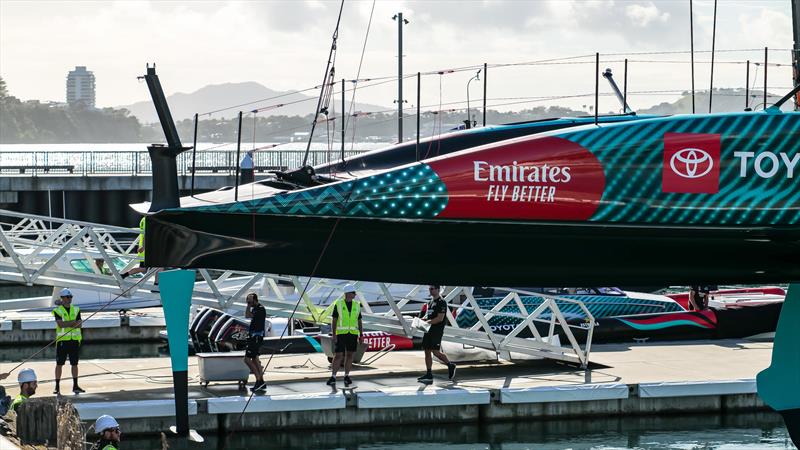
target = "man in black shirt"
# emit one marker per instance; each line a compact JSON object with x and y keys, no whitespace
{"x":436,"y":315}
{"x":258,"y":316}
{"x":698,"y":297}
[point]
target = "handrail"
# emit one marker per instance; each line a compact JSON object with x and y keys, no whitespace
{"x":137,"y":162}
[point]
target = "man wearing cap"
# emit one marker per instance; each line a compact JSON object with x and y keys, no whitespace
{"x":27,"y":387}
{"x":346,"y":330}
{"x":258,"y":318}
{"x":107,"y":429}
{"x":68,"y":339}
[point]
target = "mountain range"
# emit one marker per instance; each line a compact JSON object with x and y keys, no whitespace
{"x":218,"y":96}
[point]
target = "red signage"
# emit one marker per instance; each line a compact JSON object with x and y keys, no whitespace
{"x":691,"y":163}
{"x":546,"y":178}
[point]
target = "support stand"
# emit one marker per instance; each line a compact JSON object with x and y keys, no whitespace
{"x":176,"y":299}
{"x":777,"y":384}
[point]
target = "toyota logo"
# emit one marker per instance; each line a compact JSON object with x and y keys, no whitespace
{"x":691,"y":163}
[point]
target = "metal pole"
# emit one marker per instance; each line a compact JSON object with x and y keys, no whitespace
{"x":419,"y":91}
{"x":469,"y":119}
{"x":691,"y":45}
{"x":343,"y":120}
{"x":399,"y":77}
{"x":625,"y":89}
{"x":747,"y":87}
{"x":484,"y":93}
{"x":796,"y":52}
{"x":596,"y":85}
{"x":194,"y":152}
{"x":766,"y":63}
{"x":236,"y":161}
{"x":713,"y":47}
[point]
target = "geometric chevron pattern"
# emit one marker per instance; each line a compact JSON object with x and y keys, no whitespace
{"x":414,"y":191}
{"x":632,"y":156}
{"x":598,"y":305}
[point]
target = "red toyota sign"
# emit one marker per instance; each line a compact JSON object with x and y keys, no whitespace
{"x":691,"y":163}
{"x":544,"y":178}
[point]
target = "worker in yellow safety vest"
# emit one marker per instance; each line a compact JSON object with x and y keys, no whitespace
{"x":27,"y":387}
{"x":68,"y":339}
{"x":108,"y":430}
{"x":346,"y":332}
{"x":139,"y":252}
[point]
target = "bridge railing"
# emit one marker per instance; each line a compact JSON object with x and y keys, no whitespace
{"x":208,"y":162}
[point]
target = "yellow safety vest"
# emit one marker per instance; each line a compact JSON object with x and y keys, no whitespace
{"x":17,"y":401}
{"x":140,"y":253}
{"x":348,"y":320}
{"x":67,"y":334}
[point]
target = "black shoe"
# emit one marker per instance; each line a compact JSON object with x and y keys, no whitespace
{"x":77,"y":390}
{"x":451,"y":371}
{"x":331,"y":381}
{"x":259,"y":387}
{"x":347,"y":381}
{"x":427,"y":378}
{"x":57,"y":391}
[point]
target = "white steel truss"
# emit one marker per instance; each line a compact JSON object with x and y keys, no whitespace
{"x":34,"y":247}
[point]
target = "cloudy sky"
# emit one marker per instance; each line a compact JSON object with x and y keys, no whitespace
{"x":284,"y":45}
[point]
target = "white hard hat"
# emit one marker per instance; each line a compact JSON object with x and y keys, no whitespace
{"x":104,"y":422}
{"x":26,"y":376}
{"x":65,"y":293}
{"x":349,"y":288}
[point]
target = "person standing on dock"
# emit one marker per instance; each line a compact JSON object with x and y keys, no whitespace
{"x":346,"y":331}
{"x":68,"y":339}
{"x":108,"y":429}
{"x":27,"y":387}
{"x":698,"y":297}
{"x":436,"y":315}
{"x":258,"y":317}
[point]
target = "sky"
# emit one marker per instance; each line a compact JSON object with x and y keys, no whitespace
{"x":284,"y":45}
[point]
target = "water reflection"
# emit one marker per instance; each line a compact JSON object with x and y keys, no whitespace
{"x":728,"y":432}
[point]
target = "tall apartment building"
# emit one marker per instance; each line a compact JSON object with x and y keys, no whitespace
{"x":80,"y":87}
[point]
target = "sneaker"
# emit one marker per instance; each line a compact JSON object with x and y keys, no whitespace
{"x":347,"y":380}
{"x":427,"y":378}
{"x":259,"y":387}
{"x":451,"y":371}
{"x":56,"y":391}
{"x":77,"y":390}
{"x":331,"y":381}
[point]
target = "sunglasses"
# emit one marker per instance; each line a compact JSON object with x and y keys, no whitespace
{"x":114,"y":429}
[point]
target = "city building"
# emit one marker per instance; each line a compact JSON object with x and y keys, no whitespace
{"x":80,"y":87}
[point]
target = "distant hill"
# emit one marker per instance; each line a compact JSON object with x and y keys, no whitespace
{"x":724,"y":100}
{"x":216,"y":96}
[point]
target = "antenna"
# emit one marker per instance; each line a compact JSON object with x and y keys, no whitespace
{"x":610,"y":77}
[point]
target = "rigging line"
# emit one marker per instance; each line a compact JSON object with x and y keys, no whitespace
{"x":325,"y":77}
{"x":303,"y":293}
{"x":358,"y":74}
{"x":713,"y":46}
{"x":121,"y":294}
{"x":259,"y":101}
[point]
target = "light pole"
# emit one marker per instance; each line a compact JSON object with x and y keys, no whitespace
{"x":469,"y":118}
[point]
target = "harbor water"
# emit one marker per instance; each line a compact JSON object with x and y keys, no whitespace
{"x":759,"y":431}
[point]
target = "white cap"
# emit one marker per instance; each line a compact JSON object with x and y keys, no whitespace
{"x":349,"y":288}
{"x":104,"y":422}
{"x":65,"y":293}
{"x":26,"y":376}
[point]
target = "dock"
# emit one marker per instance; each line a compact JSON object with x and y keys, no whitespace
{"x":625,"y":380}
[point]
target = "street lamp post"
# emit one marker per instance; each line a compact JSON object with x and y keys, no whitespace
{"x":468,"y":122}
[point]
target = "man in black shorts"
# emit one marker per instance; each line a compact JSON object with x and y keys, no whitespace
{"x":258,"y":317}
{"x":346,"y":330}
{"x":436,"y":315}
{"x":68,"y":339}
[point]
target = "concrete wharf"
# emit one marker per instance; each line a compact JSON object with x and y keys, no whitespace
{"x":626,"y":380}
